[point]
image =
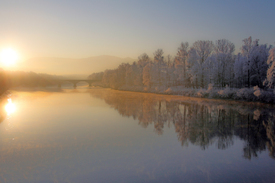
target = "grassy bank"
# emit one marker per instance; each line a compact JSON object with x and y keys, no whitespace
{"x":243,"y":94}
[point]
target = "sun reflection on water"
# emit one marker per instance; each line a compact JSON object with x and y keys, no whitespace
{"x":10,"y":107}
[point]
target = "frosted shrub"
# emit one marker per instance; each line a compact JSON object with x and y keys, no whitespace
{"x":246,"y":93}
{"x":201,"y":93}
{"x":169,"y":91}
{"x":211,"y":92}
{"x":257,"y":91}
{"x":156,"y":89}
{"x":268,"y":96}
{"x":241,"y":93}
{"x":191,"y":92}
{"x":225,"y":93}
{"x":210,"y":88}
{"x":162,"y":89}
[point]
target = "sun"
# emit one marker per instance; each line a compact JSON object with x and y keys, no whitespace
{"x":8,"y":56}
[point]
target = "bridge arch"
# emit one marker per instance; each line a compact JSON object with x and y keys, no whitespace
{"x":75,"y":81}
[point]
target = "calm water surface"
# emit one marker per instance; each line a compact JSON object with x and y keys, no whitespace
{"x":102,"y":135}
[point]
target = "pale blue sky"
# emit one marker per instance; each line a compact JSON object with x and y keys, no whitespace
{"x":79,"y":28}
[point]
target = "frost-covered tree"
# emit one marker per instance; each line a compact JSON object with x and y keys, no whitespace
{"x":193,"y":68}
{"x":259,"y":65}
{"x":133,"y":75}
{"x":246,"y":52}
{"x":201,"y":65}
{"x":158,"y":56}
{"x":137,"y":74}
{"x":158,"y":67}
{"x":270,"y":76}
{"x":224,"y":46}
{"x":200,"y":51}
{"x":143,"y":60}
{"x":170,"y":71}
{"x":121,"y":72}
{"x":253,"y":57}
{"x":96,"y":76}
{"x":110,"y":78}
{"x":146,"y":75}
{"x":181,"y":63}
{"x":218,"y":68}
{"x":211,"y":70}
{"x":129,"y":76}
{"x":239,"y":71}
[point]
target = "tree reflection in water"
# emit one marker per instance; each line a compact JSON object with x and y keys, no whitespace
{"x":199,"y":121}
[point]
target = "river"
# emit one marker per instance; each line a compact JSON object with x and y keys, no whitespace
{"x":103,"y":135}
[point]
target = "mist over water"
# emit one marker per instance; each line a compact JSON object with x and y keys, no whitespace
{"x":103,"y":135}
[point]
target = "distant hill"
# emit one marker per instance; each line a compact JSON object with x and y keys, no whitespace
{"x":66,"y":66}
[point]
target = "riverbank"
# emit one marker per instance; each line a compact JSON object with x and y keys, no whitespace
{"x":254,"y":94}
{"x":4,"y":92}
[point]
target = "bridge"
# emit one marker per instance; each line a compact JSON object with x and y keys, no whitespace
{"x":75,"y":81}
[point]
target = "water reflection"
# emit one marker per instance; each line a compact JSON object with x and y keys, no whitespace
{"x":10,"y":107}
{"x":3,"y":113}
{"x":200,"y":122}
{"x":7,"y":109}
{"x":68,"y":136}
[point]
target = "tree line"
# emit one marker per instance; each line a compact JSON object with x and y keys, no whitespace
{"x":198,"y":66}
{"x":10,"y":79}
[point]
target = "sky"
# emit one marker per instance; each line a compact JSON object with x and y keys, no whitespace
{"x":84,"y":28}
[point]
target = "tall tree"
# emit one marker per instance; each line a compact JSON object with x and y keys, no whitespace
{"x":270,"y":77}
{"x":246,"y":51}
{"x":221,"y":71}
{"x":158,"y":66}
{"x":146,"y":75}
{"x":200,"y":52}
{"x":137,"y":74}
{"x":254,"y":58}
{"x":181,"y":62}
{"x":143,"y":60}
{"x":259,"y":66}
{"x":170,"y":71}
{"x":193,"y":68}
{"x":239,"y":71}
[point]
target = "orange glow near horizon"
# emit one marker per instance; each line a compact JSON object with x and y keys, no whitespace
{"x":8,"y":57}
